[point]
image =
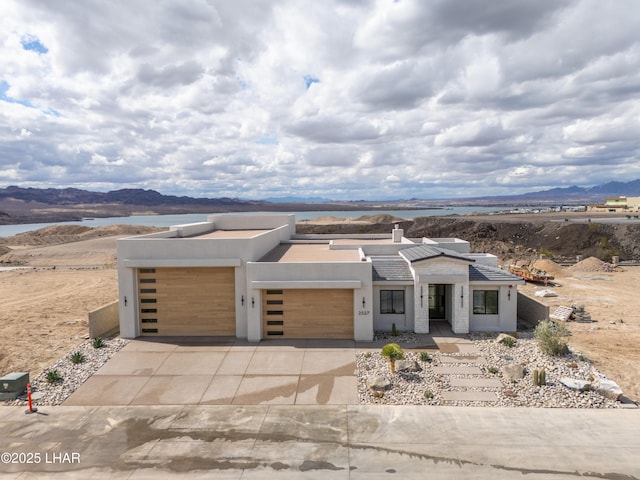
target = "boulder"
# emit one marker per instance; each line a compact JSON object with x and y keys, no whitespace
{"x":408,"y":366}
{"x":609,"y":389}
{"x":378,"y":383}
{"x":576,"y":384}
{"x":513,"y":372}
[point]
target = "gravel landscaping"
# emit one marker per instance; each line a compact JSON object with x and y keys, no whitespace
{"x":427,"y":387}
{"x":71,"y":375}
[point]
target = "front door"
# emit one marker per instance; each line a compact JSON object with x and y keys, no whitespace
{"x":437,"y":301}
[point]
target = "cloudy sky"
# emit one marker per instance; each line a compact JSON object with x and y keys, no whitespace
{"x":341,"y":99}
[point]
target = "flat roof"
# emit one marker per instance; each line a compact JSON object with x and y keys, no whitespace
{"x":231,"y":234}
{"x":366,"y":241}
{"x":293,"y":253}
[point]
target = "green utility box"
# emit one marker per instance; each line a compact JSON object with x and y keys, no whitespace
{"x":13,"y":385}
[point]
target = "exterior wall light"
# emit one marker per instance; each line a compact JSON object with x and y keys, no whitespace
{"x":364,"y":303}
{"x":462,"y":296}
{"x":509,"y":292}
{"x":421,"y":297}
{"x":125,"y":300}
{"x":241,"y":299}
{"x":253,"y":302}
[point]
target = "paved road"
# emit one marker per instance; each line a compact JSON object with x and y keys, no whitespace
{"x":325,"y":442}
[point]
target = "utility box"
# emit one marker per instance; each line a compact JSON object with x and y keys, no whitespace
{"x":13,"y":385}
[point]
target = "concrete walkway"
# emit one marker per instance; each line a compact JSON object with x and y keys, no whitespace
{"x":318,"y":442}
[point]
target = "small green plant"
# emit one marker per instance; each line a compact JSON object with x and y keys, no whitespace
{"x":493,"y":370}
{"x":394,"y":330}
{"x":97,"y":342}
{"x":539,"y":377}
{"x":551,"y":337}
{"x":428,"y":394}
{"x":367,"y":355}
{"x":77,"y":357}
{"x":425,"y":357}
{"x":53,"y":376}
{"x":393,"y":352}
{"x":509,"y":342}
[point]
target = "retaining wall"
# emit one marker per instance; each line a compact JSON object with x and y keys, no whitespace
{"x":531,"y":310}
{"x":104,"y":321}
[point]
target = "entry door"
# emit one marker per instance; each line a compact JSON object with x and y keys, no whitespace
{"x":437,"y":301}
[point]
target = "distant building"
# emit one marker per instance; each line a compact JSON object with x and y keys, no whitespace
{"x":618,"y":204}
{"x":253,"y":277}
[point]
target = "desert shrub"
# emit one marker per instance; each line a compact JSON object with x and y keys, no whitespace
{"x":97,"y":342}
{"x":552,"y":337}
{"x":77,"y":357}
{"x":53,"y":376}
{"x":493,"y":370}
{"x":425,"y":357}
{"x":428,"y":394}
{"x":509,"y":342}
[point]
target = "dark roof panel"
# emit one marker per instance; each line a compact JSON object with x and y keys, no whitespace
{"x":424,"y":252}
{"x":485,"y":273}
{"x":391,"y":269}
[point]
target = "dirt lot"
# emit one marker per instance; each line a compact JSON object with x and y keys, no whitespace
{"x":43,"y":310}
{"x":65,"y":273}
{"x":612,"y":341}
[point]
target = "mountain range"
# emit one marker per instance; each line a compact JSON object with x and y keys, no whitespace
{"x":30,"y":205}
{"x":136,"y":196}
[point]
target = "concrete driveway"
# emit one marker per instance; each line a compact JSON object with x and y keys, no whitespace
{"x":224,"y":371}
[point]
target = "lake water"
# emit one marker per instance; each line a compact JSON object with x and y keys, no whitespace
{"x":169,"y":220}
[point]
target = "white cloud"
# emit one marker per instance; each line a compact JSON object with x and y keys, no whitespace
{"x":434,"y":98}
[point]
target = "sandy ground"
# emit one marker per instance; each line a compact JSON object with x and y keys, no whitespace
{"x":612,"y":340}
{"x":43,"y":310}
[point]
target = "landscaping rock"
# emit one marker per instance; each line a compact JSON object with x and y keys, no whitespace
{"x":503,"y":336}
{"x":378,"y":383}
{"x":576,"y":384}
{"x":608,"y":389}
{"x":513,"y":372}
{"x":408,"y":366}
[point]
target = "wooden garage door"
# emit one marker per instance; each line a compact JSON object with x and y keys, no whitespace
{"x":187,"y":301}
{"x":307,"y":313}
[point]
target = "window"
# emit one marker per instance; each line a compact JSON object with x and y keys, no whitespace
{"x":392,"y":301}
{"x":485,"y":302}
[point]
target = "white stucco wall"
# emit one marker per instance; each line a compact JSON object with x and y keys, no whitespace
{"x":351,"y":275}
{"x":384,"y":322}
{"x":507,"y":318}
{"x":165,"y":249}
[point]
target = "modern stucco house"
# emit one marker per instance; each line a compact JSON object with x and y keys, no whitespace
{"x":251,"y":276}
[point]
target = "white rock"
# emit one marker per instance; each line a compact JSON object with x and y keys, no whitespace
{"x":576,"y":384}
{"x":378,"y":382}
{"x":609,"y":389}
